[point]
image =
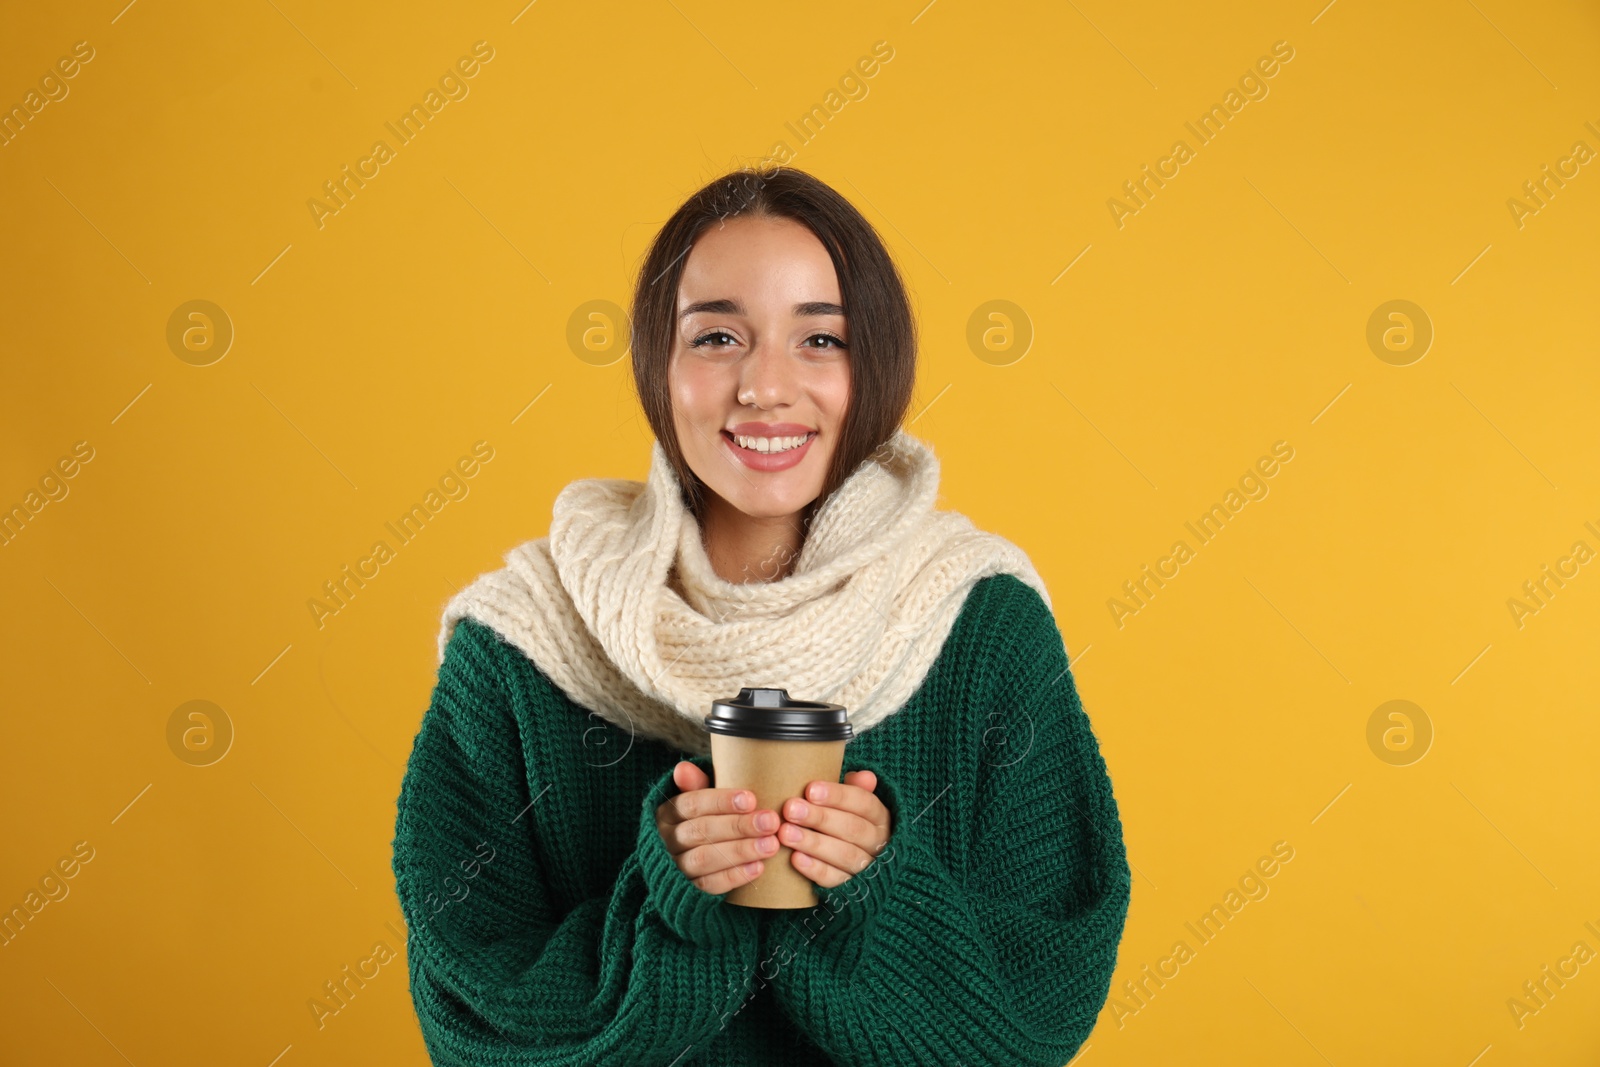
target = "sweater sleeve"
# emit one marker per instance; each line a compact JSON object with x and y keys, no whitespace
{"x":1008,"y":961}
{"x":500,"y":975}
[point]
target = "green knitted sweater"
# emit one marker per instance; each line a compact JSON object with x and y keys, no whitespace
{"x":550,"y":925}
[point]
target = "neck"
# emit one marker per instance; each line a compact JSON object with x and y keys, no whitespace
{"x":748,"y":548}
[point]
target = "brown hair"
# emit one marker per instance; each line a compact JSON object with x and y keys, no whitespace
{"x":883,"y":343}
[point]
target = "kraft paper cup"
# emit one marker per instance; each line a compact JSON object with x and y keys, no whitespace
{"x":773,"y":746}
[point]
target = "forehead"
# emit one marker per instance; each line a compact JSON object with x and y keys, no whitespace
{"x":774,"y":262}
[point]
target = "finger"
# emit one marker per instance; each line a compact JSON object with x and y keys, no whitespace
{"x":730,"y":879}
{"x":863,"y":830}
{"x":863,"y":779}
{"x":823,"y":873}
{"x":707,"y":859}
{"x":708,"y":801}
{"x":714,"y":829}
{"x":844,"y":796}
{"x":689,"y":777}
{"x":826,"y":851}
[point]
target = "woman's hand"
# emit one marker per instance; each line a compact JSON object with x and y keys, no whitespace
{"x":715,"y":837}
{"x":837,"y":830}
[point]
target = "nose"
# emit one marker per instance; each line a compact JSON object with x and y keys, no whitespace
{"x":767,"y":376}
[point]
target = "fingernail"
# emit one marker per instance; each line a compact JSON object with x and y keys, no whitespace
{"x":819,"y":792}
{"x":752,"y":867}
{"x":743,"y":801}
{"x":798,"y":809}
{"x":768,"y":844}
{"x":766,"y":821}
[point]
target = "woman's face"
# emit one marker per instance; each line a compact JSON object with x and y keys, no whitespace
{"x":759,"y":364}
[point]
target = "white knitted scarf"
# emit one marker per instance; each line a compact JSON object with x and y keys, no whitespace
{"x":620,"y":607}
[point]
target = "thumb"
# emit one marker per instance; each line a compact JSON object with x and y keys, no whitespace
{"x":863,"y":779}
{"x":688,"y":776}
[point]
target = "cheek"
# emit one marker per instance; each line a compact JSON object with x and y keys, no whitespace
{"x":696,"y":387}
{"x":683,"y":391}
{"x":834,"y":393}
{"x":699,"y":408}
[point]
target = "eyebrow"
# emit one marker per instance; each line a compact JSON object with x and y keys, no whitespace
{"x":724,"y":306}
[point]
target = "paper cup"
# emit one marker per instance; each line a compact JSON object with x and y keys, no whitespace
{"x":774,"y":746}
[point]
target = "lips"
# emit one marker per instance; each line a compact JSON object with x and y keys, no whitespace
{"x":731,"y":436}
{"x":770,"y":461}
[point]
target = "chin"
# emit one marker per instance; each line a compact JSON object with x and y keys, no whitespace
{"x":768,"y":508}
{"x":775,"y":501}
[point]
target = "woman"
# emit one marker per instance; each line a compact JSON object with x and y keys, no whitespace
{"x":560,"y":852}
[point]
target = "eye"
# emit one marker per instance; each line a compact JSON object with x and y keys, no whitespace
{"x":840,"y":345}
{"x":705,"y":339}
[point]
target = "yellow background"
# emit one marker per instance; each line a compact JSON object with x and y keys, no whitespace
{"x":1229,"y":313}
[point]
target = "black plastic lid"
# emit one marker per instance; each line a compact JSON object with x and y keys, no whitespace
{"x":769,"y":715}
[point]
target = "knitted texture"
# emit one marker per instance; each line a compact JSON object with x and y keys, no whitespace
{"x":550,"y":925}
{"x":622,"y":609}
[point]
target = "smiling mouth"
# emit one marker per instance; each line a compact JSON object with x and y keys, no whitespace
{"x":769,"y":446}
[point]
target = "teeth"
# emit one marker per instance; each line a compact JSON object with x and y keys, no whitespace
{"x":770,"y":444}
